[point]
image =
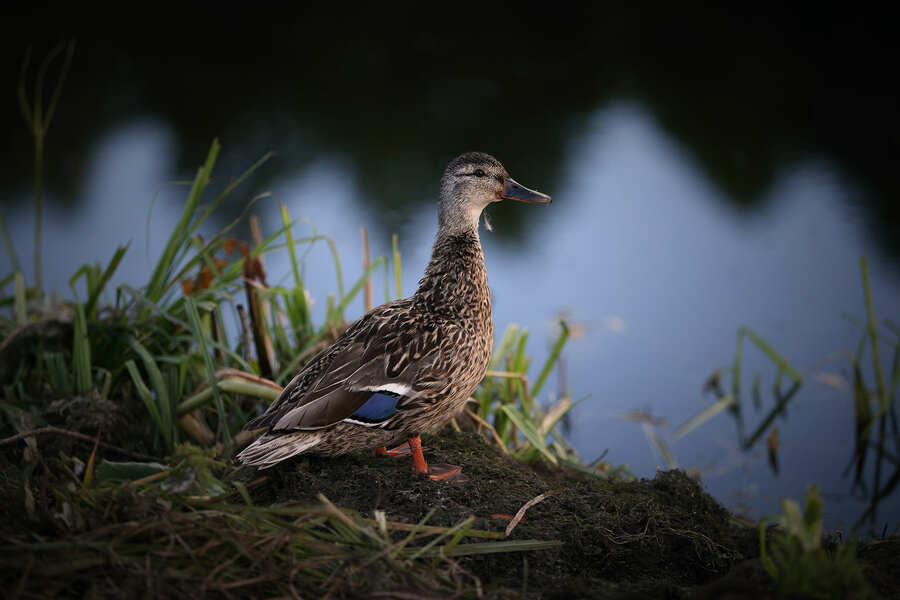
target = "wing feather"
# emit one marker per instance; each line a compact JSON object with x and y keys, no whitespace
{"x":386,"y":350}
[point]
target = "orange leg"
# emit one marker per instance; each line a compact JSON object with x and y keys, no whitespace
{"x":434,"y":472}
{"x":419,"y":464}
{"x":401,"y":450}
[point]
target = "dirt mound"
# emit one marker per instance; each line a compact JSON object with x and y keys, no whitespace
{"x":660,"y":534}
{"x":659,"y":538}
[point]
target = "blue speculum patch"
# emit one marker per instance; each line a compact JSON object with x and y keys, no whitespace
{"x":379,"y":407}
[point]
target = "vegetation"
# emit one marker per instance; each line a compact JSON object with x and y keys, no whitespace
{"x":875,"y":415}
{"x":154,"y":375}
{"x":127,"y":403}
{"x":798,"y":562}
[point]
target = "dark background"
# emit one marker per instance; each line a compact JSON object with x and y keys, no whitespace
{"x":746,"y":93}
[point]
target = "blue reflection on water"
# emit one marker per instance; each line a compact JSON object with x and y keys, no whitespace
{"x":638,"y":248}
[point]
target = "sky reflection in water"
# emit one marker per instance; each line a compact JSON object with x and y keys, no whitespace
{"x":638,"y":248}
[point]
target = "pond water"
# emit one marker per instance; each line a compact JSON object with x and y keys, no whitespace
{"x":654,"y":251}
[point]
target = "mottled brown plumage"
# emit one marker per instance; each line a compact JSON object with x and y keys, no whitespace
{"x":405,"y":366}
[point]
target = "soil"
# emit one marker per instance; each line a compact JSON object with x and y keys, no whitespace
{"x":658,"y":538}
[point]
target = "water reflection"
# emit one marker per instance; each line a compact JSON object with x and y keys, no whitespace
{"x":640,"y":247}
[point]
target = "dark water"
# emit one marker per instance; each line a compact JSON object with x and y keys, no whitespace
{"x":707,"y":172}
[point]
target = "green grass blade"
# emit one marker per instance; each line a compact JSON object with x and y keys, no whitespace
{"x":144,"y":393}
{"x":164,"y":404}
{"x":110,"y":471}
{"x":551,"y":360}
{"x":782,"y":401}
{"x":19,"y":305}
{"x":87,"y":272}
{"x":504,"y":347}
{"x":736,"y":367}
{"x":151,"y":307}
{"x":873,"y":335}
{"x":398,"y":265}
{"x":58,"y":372}
{"x":529,"y":430}
{"x":387,"y":284}
{"x":104,"y":278}
{"x":703,"y":416}
{"x":555,"y":414}
{"x":81,"y":352}
{"x":477,"y":548}
{"x":298,"y":312}
{"x":461,"y":526}
{"x":200,"y":338}
{"x":354,"y":291}
{"x":462,"y":531}
{"x":657,"y":443}
{"x":773,"y":355}
{"x":231,"y":272}
{"x":234,"y":385}
{"x":286,"y":221}
{"x":228,"y":189}
{"x":181,"y":233}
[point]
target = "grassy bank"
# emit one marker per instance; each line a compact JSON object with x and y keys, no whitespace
{"x":122,"y":407}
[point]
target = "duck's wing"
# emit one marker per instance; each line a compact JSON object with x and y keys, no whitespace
{"x":375,"y":368}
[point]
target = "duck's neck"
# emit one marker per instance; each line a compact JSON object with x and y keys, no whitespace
{"x":456,"y":278}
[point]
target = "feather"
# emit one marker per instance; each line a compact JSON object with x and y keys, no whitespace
{"x":269,"y":450}
{"x":378,"y":408}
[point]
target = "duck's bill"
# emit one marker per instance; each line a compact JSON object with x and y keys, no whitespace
{"x":520,"y":193}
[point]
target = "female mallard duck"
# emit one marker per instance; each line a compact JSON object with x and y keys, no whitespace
{"x":405,"y":366}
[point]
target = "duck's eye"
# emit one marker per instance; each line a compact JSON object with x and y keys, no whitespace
{"x":479,"y":173}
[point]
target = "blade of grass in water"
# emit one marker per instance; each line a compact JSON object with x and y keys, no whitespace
{"x":657,"y":443}
{"x":736,"y":367}
{"x":783,"y":399}
{"x":883,"y":402}
{"x":773,"y":355}
{"x":703,"y":416}
{"x":873,"y":335}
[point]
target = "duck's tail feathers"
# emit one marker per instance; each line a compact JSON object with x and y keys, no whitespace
{"x":269,"y":450}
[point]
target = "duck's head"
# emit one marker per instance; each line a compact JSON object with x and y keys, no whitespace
{"x":471,"y":182}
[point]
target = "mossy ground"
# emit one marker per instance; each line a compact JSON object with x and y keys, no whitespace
{"x":658,"y":538}
{"x":661,"y":536}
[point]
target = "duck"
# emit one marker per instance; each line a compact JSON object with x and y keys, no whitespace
{"x":407,"y":366}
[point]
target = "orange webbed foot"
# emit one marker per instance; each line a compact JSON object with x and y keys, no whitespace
{"x":443,"y":472}
{"x":401,"y":450}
